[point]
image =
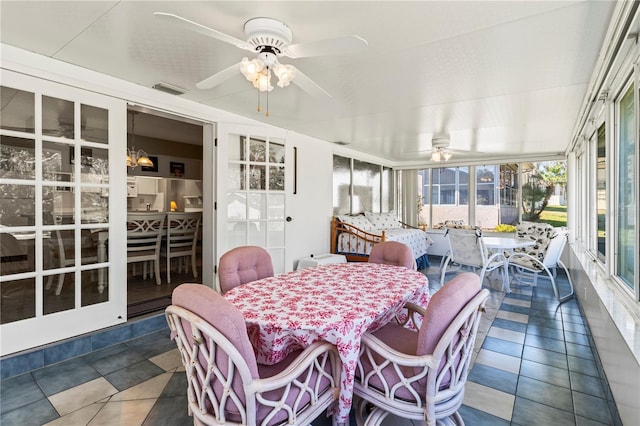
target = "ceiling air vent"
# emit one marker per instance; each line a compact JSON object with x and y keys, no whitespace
{"x":168,"y":88}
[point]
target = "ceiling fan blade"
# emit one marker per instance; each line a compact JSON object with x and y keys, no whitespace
{"x":333,"y":46}
{"x":219,"y":77}
{"x":202,"y":29}
{"x":305,"y":83}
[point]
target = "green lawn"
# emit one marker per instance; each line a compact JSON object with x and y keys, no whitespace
{"x":554,"y":215}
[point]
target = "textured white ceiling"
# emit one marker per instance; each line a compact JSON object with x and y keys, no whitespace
{"x":503,"y":78}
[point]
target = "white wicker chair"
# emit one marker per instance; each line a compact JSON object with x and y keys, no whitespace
{"x":225,"y":384}
{"x":544,"y":257}
{"x":421,"y":375}
{"x":467,"y":250}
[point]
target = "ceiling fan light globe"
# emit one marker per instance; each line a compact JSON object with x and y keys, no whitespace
{"x":446,"y":155}
{"x":251,"y":68}
{"x":263,"y":83}
{"x":436,"y":155}
{"x":285,"y":74}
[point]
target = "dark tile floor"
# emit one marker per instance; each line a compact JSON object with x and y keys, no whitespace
{"x":534,"y":364}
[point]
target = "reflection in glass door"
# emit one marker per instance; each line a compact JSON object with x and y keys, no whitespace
{"x":55,"y":153}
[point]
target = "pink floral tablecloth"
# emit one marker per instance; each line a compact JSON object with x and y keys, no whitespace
{"x":336,"y":303}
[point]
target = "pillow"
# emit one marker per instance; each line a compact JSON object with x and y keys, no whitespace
{"x":358,"y":221}
{"x":387,"y":220}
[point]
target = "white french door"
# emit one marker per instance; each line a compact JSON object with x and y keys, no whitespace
{"x":62,"y":198}
{"x":256,"y":180}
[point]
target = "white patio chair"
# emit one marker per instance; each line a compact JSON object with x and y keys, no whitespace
{"x":543,"y":257}
{"x":466,"y":250}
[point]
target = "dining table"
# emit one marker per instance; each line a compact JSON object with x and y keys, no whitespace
{"x":336,"y":303}
{"x":507,"y":245}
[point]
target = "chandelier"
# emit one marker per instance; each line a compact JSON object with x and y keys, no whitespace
{"x":258,"y":71}
{"x":139,"y":157}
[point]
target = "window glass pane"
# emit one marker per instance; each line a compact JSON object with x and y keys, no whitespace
{"x":601,"y":192}
{"x":257,"y":178}
{"x":17,"y":158}
{"x":91,"y":292}
{"x":276,"y":178}
{"x":341,"y":185}
{"x":508,"y":193}
{"x":237,"y":233}
{"x":236,"y":206}
{"x":56,"y":161}
{"x":57,"y":117}
{"x":17,"y":205}
{"x":625,"y":204}
{"x":276,"y":151}
{"x":366,"y":187}
{"x":236,"y":176}
{"x":387,"y":189}
{"x":276,"y":206}
{"x":95,"y":165}
{"x":18,"y":252}
{"x":257,"y":205}
{"x":94,"y":203}
{"x":236,"y":147}
{"x":94,"y":125}
{"x":450,"y":194}
{"x":18,"y":110}
{"x":18,"y":300}
{"x":543,"y":192}
{"x":424,"y":196}
{"x":487,"y":207}
{"x":55,"y":300}
{"x":257,"y":150}
{"x":257,"y":234}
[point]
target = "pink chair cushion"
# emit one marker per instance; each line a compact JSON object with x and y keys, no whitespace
{"x":444,"y":306}
{"x":228,"y":320}
{"x":242,"y":265}
{"x":442,"y":309}
{"x":392,"y":253}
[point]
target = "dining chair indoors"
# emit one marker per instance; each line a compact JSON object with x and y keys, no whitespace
{"x":242,"y":265}
{"x":544,"y":257}
{"x":393,"y":253}
{"x":421,"y":374}
{"x":466,"y":250}
{"x":226,"y":386}
{"x":144,"y":238}
{"x":182,"y":240}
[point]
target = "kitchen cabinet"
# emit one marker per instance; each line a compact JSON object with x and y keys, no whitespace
{"x":147,"y":185}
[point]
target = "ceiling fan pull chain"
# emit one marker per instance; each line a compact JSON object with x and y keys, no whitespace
{"x":269,"y":75}
{"x":258,"y":100}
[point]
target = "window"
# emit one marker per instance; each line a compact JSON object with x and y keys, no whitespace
{"x":626,"y":230}
{"x":359,"y":186}
{"x":601,"y":192}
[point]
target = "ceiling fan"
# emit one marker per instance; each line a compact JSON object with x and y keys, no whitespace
{"x":440,"y":150}
{"x":270,"y":40}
